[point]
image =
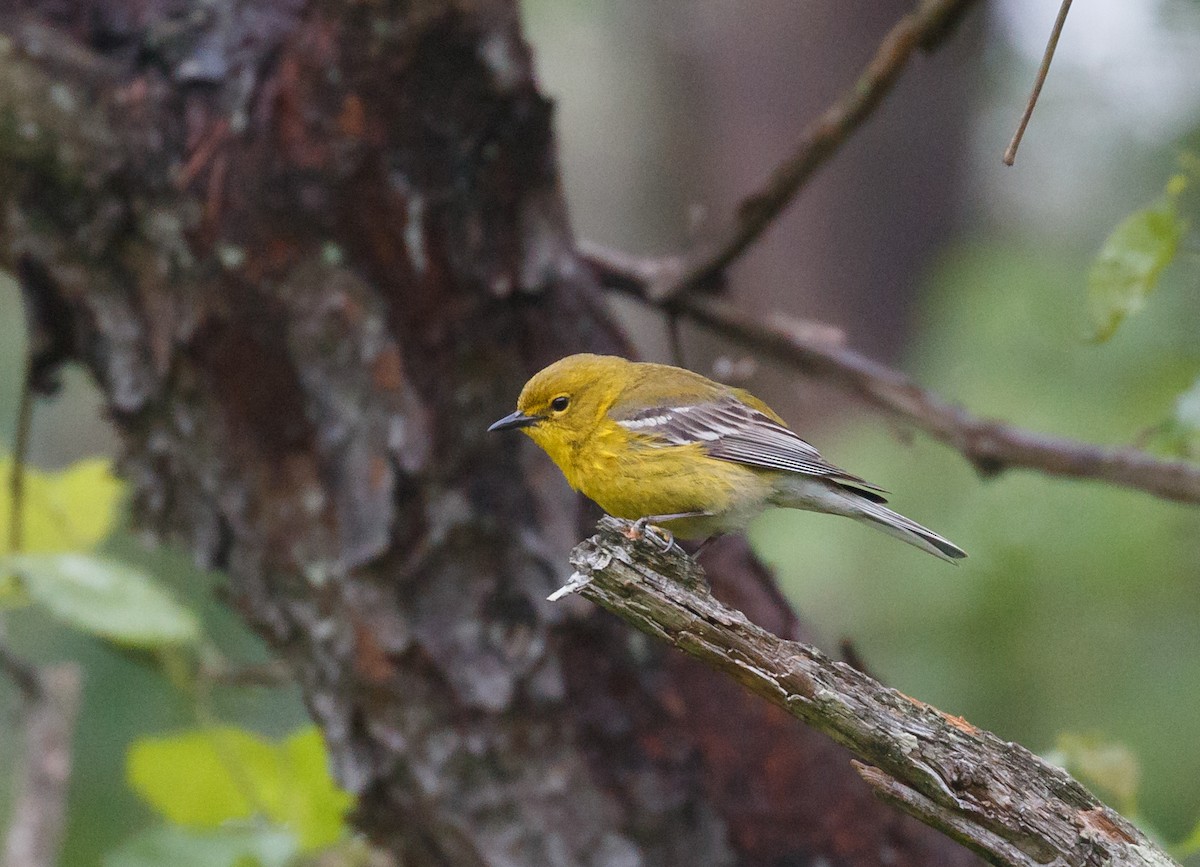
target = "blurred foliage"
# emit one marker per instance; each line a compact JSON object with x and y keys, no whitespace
{"x":1109,"y":769}
{"x":73,"y":509}
{"x":1179,"y":434}
{"x":1078,"y":606}
{"x":1133,"y":258}
{"x":105,"y":597}
{"x":229,"y":796}
{"x":228,"y":847}
{"x":1189,"y":847}
{"x":207,"y":778}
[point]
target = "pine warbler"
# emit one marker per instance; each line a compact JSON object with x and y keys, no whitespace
{"x":665,"y":445}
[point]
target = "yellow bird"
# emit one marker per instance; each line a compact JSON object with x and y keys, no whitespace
{"x":669,"y":447}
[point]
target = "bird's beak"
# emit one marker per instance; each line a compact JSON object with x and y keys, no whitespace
{"x":514,"y":420}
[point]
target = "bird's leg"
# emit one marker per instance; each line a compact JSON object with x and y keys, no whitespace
{"x":646,"y":526}
{"x":703,"y":545}
{"x":643,"y":529}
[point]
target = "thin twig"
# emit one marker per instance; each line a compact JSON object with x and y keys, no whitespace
{"x":270,"y":674}
{"x":40,"y":809}
{"x":16,"y":489}
{"x":1010,"y":153}
{"x":991,"y":446}
{"x":50,"y":697}
{"x":922,"y":27}
{"x":675,"y":340}
{"x":19,"y":670}
{"x":997,"y":797}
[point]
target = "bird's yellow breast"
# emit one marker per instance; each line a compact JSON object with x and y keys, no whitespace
{"x":629,"y":478}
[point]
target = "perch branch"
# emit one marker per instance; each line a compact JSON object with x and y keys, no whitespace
{"x":924,"y":27}
{"x":995,"y":797}
{"x":51,"y":704}
{"x":1010,"y":153}
{"x":992,"y":446}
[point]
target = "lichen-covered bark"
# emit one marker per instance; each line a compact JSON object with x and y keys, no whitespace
{"x":309,"y":250}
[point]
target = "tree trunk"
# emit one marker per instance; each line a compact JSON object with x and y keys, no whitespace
{"x":309,"y":251}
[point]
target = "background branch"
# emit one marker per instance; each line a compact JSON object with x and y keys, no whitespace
{"x":16,"y":482}
{"x":992,"y":446}
{"x":20,"y":671}
{"x":997,"y":798}
{"x":50,"y":696}
{"x":924,"y":27}
{"x":39,"y":816}
{"x":1010,"y":153}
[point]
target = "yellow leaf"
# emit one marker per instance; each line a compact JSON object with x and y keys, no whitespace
{"x":317,"y":807}
{"x":70,"y":510}
{"x":202,"y":779}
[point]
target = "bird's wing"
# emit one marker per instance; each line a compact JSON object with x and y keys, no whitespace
{"x":730,"y":430}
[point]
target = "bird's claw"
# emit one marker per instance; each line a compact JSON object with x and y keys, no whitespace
{"x":642,"y":528}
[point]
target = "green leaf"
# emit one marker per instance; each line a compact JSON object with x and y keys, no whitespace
{"x":1132,"y":259}
{"x":71,"y":510}
{"x":204,"y":778}
{"x":105,"y":597}
{"x":229,"y":847}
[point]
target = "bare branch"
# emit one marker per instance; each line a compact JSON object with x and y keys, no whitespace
{"x":270,"y":674}
{"x":1010,"y":153}
{"x":39,"y":814}
{"x":20,"y":454}
{"x":996,"y":797}
{"x":992,"y":446}
{"x":19,"y":670}
{"x":16,"y":482}
{"x":50,"y":700}
{"x":924,"y":27}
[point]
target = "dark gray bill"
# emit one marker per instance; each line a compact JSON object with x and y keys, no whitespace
{"x":515,"y":420}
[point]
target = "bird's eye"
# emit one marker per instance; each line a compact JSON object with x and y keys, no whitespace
{"x":560,"y":403}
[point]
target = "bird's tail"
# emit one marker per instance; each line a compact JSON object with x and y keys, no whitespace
{"x":895,"y":524}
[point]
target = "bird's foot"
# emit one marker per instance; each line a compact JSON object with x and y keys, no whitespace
{"x":642,"y":528}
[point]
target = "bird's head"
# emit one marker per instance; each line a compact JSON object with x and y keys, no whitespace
{"x":562,"y":404}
